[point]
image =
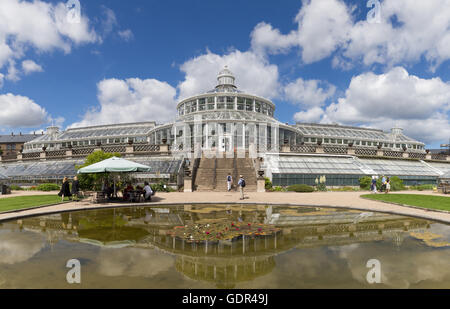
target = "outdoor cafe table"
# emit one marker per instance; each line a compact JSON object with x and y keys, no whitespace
{"x":135,"y":195}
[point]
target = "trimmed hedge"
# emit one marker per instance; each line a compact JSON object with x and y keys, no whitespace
{"x":48,"y":187}
{"x":300,"y":188}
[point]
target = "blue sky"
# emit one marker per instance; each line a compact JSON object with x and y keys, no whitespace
{"x":319,"y":61}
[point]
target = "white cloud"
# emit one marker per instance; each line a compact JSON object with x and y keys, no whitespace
{"x":126,"y":35}
{"x":29,"y":66}
{"x":110,"y":20}
{"x":39,"y":25}
{"x":313,"y":114}
{"x":253,"y":73}
{"x":13,"y":72}
{"x":323,"y":26}
{"x":19,"y":111}
{"x":418,"y":105}
{"x":19,"y":247}
{"x":264,"y":37}
{"x":131,"y":100}
{"x":2,"y":77}
{"x":308,"y":92}
{"x":407,"y":32}
{"x":133,"y":262}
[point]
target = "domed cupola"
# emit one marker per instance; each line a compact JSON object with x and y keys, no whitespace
{"x":225,"y":80}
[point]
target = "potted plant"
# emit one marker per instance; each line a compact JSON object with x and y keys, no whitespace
{"x":319,"y":142}
{"x":379,"y":145}
{"x":130,"y":142}
{"x":261,"y":173}
{"x":350,"y":144}
{"x":286,"y":141}
{"x":44,"y":148}
{"x":404,"y":148}
{"x":164,"y":141}
{"x":99,"y":144}
{"x":427,"y":151}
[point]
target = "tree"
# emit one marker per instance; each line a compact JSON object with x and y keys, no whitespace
{"x":94,"y":181}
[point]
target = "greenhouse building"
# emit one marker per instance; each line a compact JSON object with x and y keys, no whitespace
{"x":226,"y":130}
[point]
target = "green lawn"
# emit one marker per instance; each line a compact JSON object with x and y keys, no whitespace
{"x":425,"y":201}
{"x":21,"y":202}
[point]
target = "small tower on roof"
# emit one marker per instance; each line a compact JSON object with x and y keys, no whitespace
{"x":225,"y":79}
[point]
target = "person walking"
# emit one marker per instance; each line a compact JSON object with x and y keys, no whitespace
{"x":65,"y":189}
{"x":241,"y":184}
{"x":229,"y":182}
{"x":75,"y":188}
{"x":374,"y":185}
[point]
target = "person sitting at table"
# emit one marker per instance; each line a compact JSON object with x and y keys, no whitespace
{"x":107,"y":189}
{"x":148,"y":192}
{"x":126,"y":191}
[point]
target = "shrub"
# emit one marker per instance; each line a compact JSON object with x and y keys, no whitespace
{"x":396,"y":184}
{"x":365,"y":182}
{"x":48,"y":187}
{"x":300,"y":188}
{"x":345,"y":189}
{"x":159,"y":187}
{"x":267,"y":183}
{"x":422,"y":187}
{"x":278,"y":189}
{"x":16,"y":188}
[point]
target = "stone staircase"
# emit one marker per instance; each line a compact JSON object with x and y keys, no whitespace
{"x":206,"y":174}
{"x":224,"y":166}
{"x":212,"y":174}
{"x":244,"y":167}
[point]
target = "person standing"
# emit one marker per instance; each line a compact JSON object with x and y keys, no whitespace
{"x":75,"y":188}
{"x":241,"y":184}
{"x":65,"y":190}
{"x":388,"y":186}
{"x":383,"y":183}
{"x":229,"y":181}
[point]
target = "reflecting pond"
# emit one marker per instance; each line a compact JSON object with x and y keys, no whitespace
{"x":224,"y":246}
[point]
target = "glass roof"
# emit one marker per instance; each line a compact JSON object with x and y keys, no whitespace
{"x":399,"y":167}
{"x":443,"y":167}
{"x":100,"y":131}
{"x":67,"y":167}
{"x":347,"y":132}
{"x":346,"y":165}
{"x":313,"y":165}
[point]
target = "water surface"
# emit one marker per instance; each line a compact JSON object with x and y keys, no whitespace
{"x":224,"y":246}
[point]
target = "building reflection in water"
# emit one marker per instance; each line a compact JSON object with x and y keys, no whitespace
{"x":224,"y":263}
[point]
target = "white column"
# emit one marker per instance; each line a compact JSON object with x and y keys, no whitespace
{"x":206,"y":136}
{"x":244,"y":126}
